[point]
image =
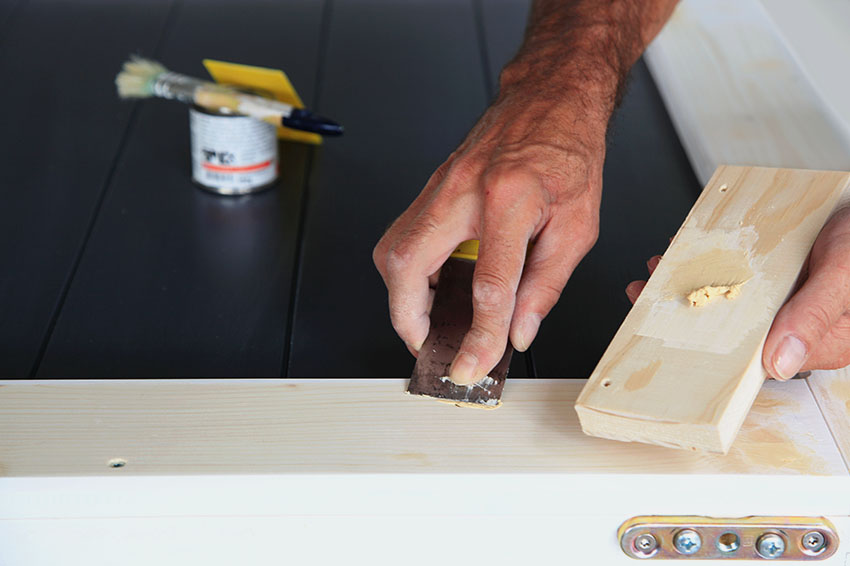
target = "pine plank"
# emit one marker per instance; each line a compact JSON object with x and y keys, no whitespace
{"x":831,"y":390}
{"x":159,"y":427}
{"x":737,"y":94}
{"x":685,"y":376}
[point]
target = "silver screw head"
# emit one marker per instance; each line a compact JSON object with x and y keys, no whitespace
{"x":645,"y":544}
{"x":687,"y":541}
{"x":814,"y":541}
{"x":770,"y":545}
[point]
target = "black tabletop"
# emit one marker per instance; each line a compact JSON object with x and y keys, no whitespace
{"x":115,"y":265}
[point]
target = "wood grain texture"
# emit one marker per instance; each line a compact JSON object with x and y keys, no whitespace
{"x":737,"y":95}
{"x":816,"y":34}
{"x":685,"y":376}
{"x":831,"y":390}
{"x":283,"y":426}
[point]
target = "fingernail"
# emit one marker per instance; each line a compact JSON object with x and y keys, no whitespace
{"x":464,"y":369}
{"x":789,"y":358}
{"x":527,"y":331}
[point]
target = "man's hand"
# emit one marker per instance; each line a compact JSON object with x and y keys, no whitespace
{"x":530,"y":170}
{"x":510,"y":182}
{"x":812,"y":330}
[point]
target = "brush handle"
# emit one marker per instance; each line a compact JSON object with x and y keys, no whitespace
{"x":219,"y":98}
{"x":225,"y":99}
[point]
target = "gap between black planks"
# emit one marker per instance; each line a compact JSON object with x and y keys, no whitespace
{"x":59,"y":147}
{"x":406,"y":79}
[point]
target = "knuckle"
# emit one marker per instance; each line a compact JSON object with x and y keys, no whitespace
{"x":399,"y":259}
{"x":379,"y":254}
{"x":491,"y":291}
{"x":487,"y":344}
{"x":817,"y":319}
{"x":510,"y":181}
{"x":462,"y":172}
{"x":548,"y":292}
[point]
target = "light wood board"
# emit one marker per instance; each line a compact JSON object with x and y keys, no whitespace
{"x":74,"y":428}
{"x":737,"y":95}
{"x":831,"y":390}
{"x":685,"y":376}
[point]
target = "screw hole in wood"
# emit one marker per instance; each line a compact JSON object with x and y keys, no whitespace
{"x":117,"y":463}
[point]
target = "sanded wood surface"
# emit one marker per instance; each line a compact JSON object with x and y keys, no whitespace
{"x":738,"y":96}
{"x":284,"y":426}
{"x":682,"y":375}
{"x":831,"y":390}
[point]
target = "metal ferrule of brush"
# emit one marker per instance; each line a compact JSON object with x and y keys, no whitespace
{"x":175,"y":86}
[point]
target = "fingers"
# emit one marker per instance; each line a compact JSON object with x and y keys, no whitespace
{"x":807,"y":319}
{"x":652,"y":263}
{"x":633,"y":289}
{"x":511,"y":211}
{"x":555,"y":254}
{"x":424,"y":247}
{"x":402,"y":223}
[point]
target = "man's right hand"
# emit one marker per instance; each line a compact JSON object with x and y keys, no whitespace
{"x":529,"y":171}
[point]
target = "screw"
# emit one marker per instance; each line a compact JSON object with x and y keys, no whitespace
{"x":687,"y":541}
{"x":770,"y":545}
{"x":814,"y":541}
{"x":645,"y":544}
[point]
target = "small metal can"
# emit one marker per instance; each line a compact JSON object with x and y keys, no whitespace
{"x":232,"y":154}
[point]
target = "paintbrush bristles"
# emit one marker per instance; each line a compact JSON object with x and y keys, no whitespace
{"x":137,"y":77}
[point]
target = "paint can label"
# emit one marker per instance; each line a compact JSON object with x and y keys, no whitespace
{"x":232,"y":154}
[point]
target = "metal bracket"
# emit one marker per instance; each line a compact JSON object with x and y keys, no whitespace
{"x":745,"y":538}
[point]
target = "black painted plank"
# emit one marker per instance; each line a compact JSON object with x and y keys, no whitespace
{"x":406,"y":80}
{"x":62,"y":126}
{"x":649,"y":187}
{"x":175,"y":281}
{"x":504,"y":25}
{"x":7,"y":9}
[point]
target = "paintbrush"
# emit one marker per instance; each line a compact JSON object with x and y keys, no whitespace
{"x":144,"y":78}
{"x":451,"y":317}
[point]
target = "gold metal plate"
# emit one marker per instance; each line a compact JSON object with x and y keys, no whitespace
{"x":743,"y":538}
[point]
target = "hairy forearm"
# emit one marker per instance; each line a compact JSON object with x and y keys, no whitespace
{"x":582,"y":50}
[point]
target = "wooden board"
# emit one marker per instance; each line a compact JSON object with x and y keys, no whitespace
{"x":159,"y":427}
{"x":831,"y":390}
{"x":685,"y":376}
{"x":738,"y":96}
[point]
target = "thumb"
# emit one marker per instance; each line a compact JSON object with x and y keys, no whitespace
{"x":804,"y":321}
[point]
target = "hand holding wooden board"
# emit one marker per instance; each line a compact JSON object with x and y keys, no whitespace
{"x":684,"y":375}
